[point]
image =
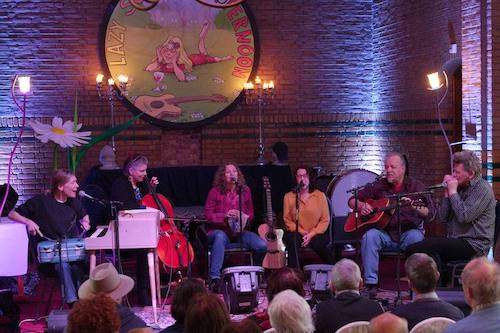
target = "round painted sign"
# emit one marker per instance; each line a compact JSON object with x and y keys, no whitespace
{"x":186,"y":62}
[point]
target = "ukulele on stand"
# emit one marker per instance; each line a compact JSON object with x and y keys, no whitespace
{"x":275,"y":256}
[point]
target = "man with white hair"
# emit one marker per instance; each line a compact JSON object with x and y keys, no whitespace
{"x":347,"y":305}
{"x":481,"y":285}
{"x":290,"y":313}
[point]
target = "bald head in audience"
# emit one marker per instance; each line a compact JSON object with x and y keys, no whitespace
{"x":481,"y":282}
{"x":388,"y":323}
{"x":345,"y":276}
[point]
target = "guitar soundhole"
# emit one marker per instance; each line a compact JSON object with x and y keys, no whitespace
{"x":156,"y":104}
{"x":271,"y":236}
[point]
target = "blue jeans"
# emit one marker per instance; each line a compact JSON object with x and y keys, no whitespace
{"x":375,"y":240}
{"x":219,"y":241}
{"x":71,"y":283}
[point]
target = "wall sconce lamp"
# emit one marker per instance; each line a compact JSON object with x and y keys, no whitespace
{"x":24,"y":85}
{"x":435,"y":85}
{"x":259,"y":93}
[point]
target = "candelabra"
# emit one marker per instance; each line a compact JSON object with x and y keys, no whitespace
{"x":112,"y":93}
{"x":259,"y":93}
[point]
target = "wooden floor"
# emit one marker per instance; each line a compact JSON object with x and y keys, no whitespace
{"x":48,"y":297}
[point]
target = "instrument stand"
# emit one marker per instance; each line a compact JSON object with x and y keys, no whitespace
{"x":296,"y":236}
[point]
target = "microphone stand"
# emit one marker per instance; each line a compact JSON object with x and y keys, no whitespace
{"x":240,"y":207}
{"x":398,"y":197}
{"x":296,"y":236}
{"x":113,"y":206}
{"x":357,"y":217}
{"x":62,"y":282}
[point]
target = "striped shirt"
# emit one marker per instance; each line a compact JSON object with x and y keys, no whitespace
{"x":470,"y":214}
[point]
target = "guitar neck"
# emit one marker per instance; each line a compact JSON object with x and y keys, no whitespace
{"x":269,"y":212}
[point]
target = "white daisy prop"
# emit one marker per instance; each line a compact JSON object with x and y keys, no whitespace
{"x":65,"y":135}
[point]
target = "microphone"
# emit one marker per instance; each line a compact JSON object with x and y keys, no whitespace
{"x":104,"y":202}
{"x":298,"y":186}
{"x":83,"y":194}
{"x":382,"y":175}
{"x":437,"y":186}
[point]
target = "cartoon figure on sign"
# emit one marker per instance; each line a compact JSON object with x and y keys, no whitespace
{"x":171,"y":57}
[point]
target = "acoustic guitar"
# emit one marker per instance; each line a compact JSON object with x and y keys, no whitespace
{"x":275,"y":256}
{"x":380,"y":216}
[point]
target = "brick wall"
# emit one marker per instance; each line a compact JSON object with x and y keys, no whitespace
{"x":350,"y":78}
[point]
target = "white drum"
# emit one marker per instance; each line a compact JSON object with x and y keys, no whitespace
{"x":338,"y":187}
{"x":13,"y":248}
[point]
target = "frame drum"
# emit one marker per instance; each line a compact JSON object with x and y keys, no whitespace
{"x":338,"y":187}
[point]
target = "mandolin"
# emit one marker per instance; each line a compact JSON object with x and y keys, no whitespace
{"x":275,"y":256}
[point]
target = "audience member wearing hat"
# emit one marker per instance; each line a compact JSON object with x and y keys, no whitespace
{"x":104,"y":279}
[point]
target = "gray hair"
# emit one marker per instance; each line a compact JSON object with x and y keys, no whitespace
{"x":483,"y":277}
{"x":345,"y":275}
{"x":290,"y":313}
{"x":469,"y":160}
{"x":422,"y":272}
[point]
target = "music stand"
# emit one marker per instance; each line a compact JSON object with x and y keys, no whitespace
{"x":398,"y":197}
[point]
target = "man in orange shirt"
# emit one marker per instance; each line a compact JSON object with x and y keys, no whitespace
{"x":307,"y":226}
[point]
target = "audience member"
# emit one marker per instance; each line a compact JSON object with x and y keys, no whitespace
{"x":290,"y":313}
{"x":184,"y":293}
{"x":206,"y":314}
{"x":94,"y":315}
{"x":280,"y":153}
{"x":347,"y":305}
{"x":388,"y":323}
{"x":423,"y":277}
{"x":244,"y":326}
{"x":481,"y":285}
{"x":281,"y":279}
{"x":105,"y":279}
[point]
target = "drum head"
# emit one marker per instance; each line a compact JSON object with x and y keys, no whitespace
{"x":337,"y":189}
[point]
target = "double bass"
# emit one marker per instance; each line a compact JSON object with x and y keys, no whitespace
{"x":173,"y":248}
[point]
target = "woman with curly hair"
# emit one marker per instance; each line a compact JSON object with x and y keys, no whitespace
{"x":222,"y":211}
{"x":94,"y":315}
